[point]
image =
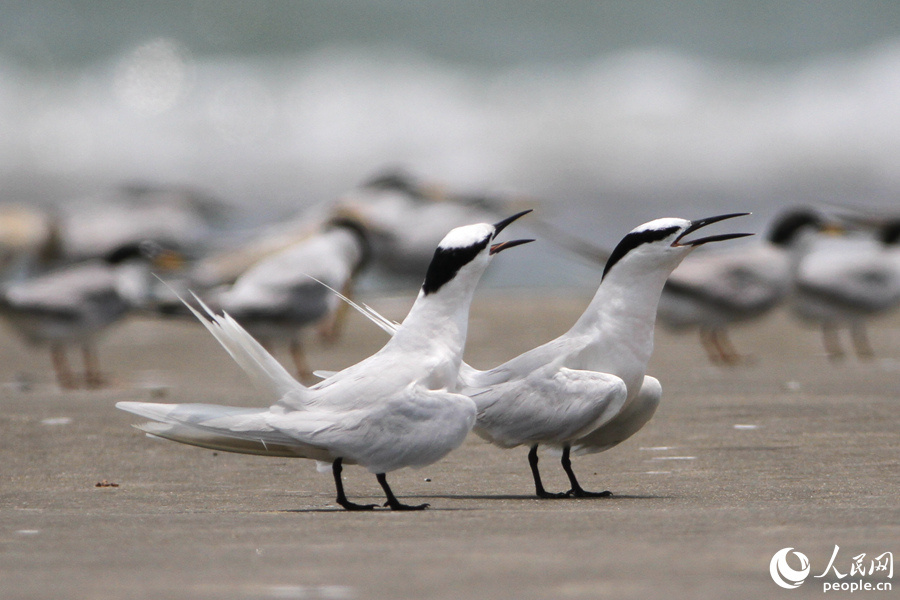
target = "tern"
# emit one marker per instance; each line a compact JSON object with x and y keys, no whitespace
{"x":715,"y":289}
{"x":406,"y":219}
{"x":174,"y":217}
{"x":279,"y":296}
{"x":395,"y":409}
{"x":843,"y":282}
{"x":586,"y":391}
{"x":75,"y":303}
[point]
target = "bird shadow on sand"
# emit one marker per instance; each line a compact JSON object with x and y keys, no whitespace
{"x":338,"y":509}
{"x":482,"y":497}
{"x":488,"y":497}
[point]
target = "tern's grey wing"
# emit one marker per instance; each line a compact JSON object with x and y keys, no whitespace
{"x":303,"y":303}
{"x":63,"y":290}
{"x":549,"y":355}
{"x":413,"y":426}
{"x":745,"y":282}
{"x":549,"y":408}
{"x":73,"y":303}
{"x":631,"y":419}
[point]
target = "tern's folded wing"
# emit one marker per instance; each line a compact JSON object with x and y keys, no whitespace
{"x":414,"y":427}
{"x":547,"y":409}
{"x":630,"y":419}
{"x":746,"y":280}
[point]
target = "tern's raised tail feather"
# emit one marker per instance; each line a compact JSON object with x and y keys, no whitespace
{"x":265,"y":372}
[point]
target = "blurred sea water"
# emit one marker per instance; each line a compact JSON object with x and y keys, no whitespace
{"x":610,"y":113}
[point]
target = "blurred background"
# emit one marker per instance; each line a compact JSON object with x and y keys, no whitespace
{"x":609,"y":113}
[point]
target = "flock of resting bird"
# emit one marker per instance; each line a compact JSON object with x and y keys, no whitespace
{"x":415,"y":400}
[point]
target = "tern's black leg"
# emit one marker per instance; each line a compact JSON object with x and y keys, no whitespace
{"x":576,"y":490}
{"x":538,"y":486}
{"x":336,"y":469}
{"x":392,"y":499}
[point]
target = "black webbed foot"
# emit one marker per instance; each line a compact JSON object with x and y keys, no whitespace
{"x":580,"y":493}
{"x":392,"y":501}
{"x":400,"y":506}
{"x":577,"y":491}
{"x":544,"y":494}
{"x":346,"y":504}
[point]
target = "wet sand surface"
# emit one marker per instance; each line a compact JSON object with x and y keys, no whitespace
{"x":786,"y":450}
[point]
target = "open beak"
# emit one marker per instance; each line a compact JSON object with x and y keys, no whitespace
{"x":505,"y":245}
{"x":695,"y":225}
{"x":501,"y":225}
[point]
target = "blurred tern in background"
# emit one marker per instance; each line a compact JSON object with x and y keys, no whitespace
{"x":716,"y":288}
{"x":407,"y":218}
{"x":74,"y":304}
{"x":280,"y":295}
{"x":225,"y":264}
{"x":403,"y":217}
{"x":842,"y":283}
{"x":395,"y":409}
{"x":177,"y":218}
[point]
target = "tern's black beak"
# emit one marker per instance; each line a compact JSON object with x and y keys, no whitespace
{"x":505,"y":245}
{"x":501,"y":225}
{"x":695,"y":225}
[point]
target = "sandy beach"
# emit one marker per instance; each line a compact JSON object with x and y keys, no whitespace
{"x":787,"y":450}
